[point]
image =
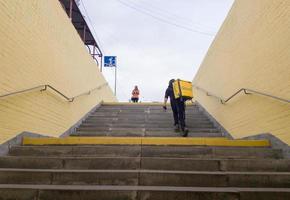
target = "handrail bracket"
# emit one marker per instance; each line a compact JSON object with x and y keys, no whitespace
{"x":246,"y":92}
{"x":45,"y":88}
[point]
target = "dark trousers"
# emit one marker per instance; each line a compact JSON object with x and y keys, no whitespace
{"x":134,"y":100}
{"x":178,"y":109}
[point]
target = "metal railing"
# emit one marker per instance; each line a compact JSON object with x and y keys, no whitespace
{"x":246,"y":91}
{"x":45,"y":87}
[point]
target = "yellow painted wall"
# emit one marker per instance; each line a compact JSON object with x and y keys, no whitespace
{"x":39,"y":45}
{"x":251,"y":50}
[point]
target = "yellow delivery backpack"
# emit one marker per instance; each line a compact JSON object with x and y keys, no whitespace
{"x":182,"y":89}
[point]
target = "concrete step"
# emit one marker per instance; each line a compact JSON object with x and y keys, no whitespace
{"x":150,"y":108}
{"x":82,"y":151}
{"x":170,"y":117}
{"x":144,"y":134}
{"x":102,"y":114}
{"x":140,"y":107}
{"x":159,"y":107}
{"x":214,"y":164}
{"x":125,"y":120}
{"x":187,"y":111}
{"x":178,"y":134}
{"x":117,"y":132}
{"x":108,"y":133}
{"x":147,"y":109}
{"x":110,"y":129}
{"x":147,"y":112}
{"x":152,"y":163}
{"x":121,"y":125}
{"x":212,"y":152}
{"x":136,"y":120}
{"x":132,"y":115}
{"x":144,"y":118}
{"x":142,"y":129}
{"x":76,"y":192}
{"x":164,"y":114}
{"x":60,"y":162}
{"x":147,"y":124}
{"x":145,"y":177}
{"x":68,"y":177}
{"x":147,"y":151}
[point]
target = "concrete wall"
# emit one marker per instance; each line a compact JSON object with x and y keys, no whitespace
{"x":39,"y":45}
{"x":251,"y":50}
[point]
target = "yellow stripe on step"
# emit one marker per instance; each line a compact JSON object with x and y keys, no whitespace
{"x":82,"y":140}
{"x":146,"y":141}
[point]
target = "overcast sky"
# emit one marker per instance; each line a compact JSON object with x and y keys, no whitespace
{"x":155,"y":40}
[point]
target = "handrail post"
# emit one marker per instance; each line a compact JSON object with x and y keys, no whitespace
{"x":245,"y":91}
{"x":45,"y":88}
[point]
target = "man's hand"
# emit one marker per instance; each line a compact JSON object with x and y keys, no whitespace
{"x":164,"y":105}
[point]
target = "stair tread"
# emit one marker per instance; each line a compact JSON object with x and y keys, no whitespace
{"x":142,"y":171}
{"x":89,"y":157}
{"x":148,"y":146}
{"x":141,"y":188}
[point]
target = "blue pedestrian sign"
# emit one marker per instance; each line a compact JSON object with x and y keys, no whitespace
{"x":110,"y":61}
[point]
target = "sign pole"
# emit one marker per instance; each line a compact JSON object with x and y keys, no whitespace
{"x":116,"y":79}
{"x":101,"y":62}
{"x":111,"y":61}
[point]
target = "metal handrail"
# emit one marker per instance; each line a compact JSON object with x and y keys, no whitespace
{"x":246,"y":91}
{"x":45,"y":87}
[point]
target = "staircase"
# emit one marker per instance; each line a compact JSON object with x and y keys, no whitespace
{"x":144,"y":121}
{"x":111,"y":156}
